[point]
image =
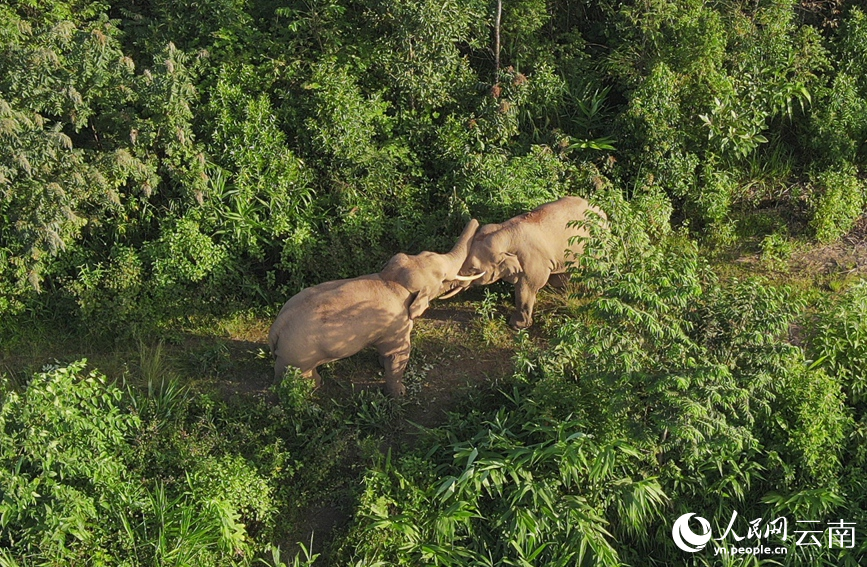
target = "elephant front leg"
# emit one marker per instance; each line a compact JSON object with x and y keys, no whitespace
{"x":394,"y":357}
{"x":525,"y":300}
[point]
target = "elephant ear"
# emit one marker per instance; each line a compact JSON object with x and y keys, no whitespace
{"x":509,"y":267}
{"x":510,"y":261}
{"x":419,"y":304}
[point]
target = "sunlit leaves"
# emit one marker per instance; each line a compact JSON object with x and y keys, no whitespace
{"x":840,"y":343}
{"x":514,"y":494}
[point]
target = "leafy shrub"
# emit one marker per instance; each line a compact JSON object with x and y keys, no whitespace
{"x":183,"y":254}
{"x":111,"y":295}
{"x":67,"y":490}
{"x":851,"y":46}
{"x":840,"y":342}
{"x":838,"y":203}
{"x":234,"y":491}
{"x":814,"y":409}
{"x":520,"y":490}
{"x":259,"y":189}
{"x":776,"y":249}
{"x":709,"y":85}
{"x":295,"y":392}
{"x":837,"y":123}
{"x":499,"y":187}
{"x":74,"y":493}
{"x":417,"y":49}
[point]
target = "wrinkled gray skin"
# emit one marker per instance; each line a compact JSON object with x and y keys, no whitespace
{"x":529,"y":251}
{"x":334,"y":320}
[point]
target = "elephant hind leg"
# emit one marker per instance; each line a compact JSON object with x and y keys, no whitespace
{"x":280,"y":368}
{"x":313,"y":374}
{"x":558,"y":281}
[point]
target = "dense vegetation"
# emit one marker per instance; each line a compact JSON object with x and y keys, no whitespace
{"x":168,"y":165}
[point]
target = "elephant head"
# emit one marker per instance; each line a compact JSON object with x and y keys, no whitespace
{"x":491,"y":258}
{"x":430,"y":275}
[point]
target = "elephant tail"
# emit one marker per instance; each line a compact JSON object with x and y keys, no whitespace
{"x":273,"y":338}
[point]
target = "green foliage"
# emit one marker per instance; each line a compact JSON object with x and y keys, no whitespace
{"x":491,"y":326}
{"x":276,"y":559}
{"x":54,"y":83}
{"x":259,"y":189}
{"x":288,"y":138}
{"x":777,"y":248}
{"x":837,"y":125}
{"x":816,"y":420}
{"x":295,"y":392}
{"x":77,"y":481}
{"x":157,"y":165}
{"x":521,"y":491}
{"x":183,"y":254}
{"x":745,"y":74}
{"x":231,"y":489}
{"x":840,"y":342}
{"x":838,"y":202}
{"x":65,"y":484}
{"x":417,"y":48}
{"x":109,"y":294}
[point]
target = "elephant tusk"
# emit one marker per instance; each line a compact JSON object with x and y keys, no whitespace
{"x":452,"y":293}
{"x":461,"y":278}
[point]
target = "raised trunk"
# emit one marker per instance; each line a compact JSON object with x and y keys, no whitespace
{"x":459,"y":251}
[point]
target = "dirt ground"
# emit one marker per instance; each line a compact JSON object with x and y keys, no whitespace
{"x":847,"y":256}
{"x":448,"y":354}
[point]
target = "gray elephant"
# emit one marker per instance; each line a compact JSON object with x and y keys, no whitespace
{"x":529,"y":251}
{"x":337,"y":319}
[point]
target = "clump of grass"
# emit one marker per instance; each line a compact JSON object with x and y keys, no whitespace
{"x":164,"y":396}
{"x":296,"y":392}
{"x":777,"y":250}
{"x":490,"y":324}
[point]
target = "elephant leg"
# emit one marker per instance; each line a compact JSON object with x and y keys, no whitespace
{"x":313,"y":374}
{"x":525,"y":299}
{"x":558,"y":280}
{"x":310,"y":374}
{"x":279,"y":369}
{"x":394,"y":355}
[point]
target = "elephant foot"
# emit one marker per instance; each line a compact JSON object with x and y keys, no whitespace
{"x":395,"y":390}
{"x":519,"y":322}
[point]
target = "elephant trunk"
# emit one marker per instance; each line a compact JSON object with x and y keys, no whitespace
{"x":459,"y":251}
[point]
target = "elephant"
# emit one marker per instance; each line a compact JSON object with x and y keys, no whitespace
{"x":529,"y":251}
{"x":337,"y":319}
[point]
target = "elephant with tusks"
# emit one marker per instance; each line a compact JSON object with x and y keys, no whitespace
{"x":531,"y":250}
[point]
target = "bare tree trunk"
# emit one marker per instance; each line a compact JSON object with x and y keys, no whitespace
{"x":497,"y":41}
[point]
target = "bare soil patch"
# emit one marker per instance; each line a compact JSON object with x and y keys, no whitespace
{"x":844,"y":257}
